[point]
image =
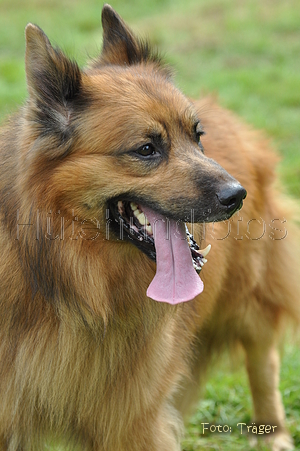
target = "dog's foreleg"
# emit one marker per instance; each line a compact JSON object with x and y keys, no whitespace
{"x":263,"y":365}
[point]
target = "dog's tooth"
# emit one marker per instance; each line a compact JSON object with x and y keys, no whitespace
{"x":149,"y":229}
{"x":205,"y":251}
{"x":133,"y":227}
{"x":120,"y":205}
{"x":142,"y":219}
{"x":204,"y":260}
{"x":137,"y":212}
{"x":133,"y":206}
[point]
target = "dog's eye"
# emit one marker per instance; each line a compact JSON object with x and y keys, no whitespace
{"x":146,"y":150}
{"x":198,"y":132}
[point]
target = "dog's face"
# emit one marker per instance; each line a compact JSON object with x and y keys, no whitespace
{"x":148,"y":141}
{"x":124,"y":139}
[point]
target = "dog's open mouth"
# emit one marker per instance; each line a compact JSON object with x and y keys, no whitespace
{"x":167,"y":242}
{"x":133,"y":219}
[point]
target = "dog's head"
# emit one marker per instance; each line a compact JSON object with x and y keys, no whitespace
{"x":119,"y":140}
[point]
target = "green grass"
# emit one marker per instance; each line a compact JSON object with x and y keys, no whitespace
{"x":227,"y":401}
{"x":245,"y":52}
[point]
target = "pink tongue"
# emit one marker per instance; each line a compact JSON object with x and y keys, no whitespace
{"x":175,"y":280}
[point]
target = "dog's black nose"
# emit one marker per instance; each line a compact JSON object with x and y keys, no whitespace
{"x":232,"y":196}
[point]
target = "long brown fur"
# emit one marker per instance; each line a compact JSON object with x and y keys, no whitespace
{"x":86,"y":358}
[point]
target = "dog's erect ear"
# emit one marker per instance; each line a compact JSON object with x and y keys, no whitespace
{"x":53,"y":83}
{"x":120,"y":45}
{"x":51,"y":76}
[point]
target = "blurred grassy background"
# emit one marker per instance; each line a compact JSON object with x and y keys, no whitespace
{"x":248,"y":53}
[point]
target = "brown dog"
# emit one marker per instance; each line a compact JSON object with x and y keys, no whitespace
{"x":99,"y":172}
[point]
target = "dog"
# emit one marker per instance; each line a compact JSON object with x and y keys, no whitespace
{"x":111,"y":195}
